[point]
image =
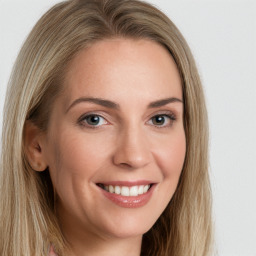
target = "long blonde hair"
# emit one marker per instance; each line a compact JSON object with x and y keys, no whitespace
{"x":27,"y":221}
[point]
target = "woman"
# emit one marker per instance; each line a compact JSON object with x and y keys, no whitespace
{"x":105,"y":137}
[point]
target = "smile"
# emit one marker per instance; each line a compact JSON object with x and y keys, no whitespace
{"x":125,"y":190}
{"x":128,"y":194}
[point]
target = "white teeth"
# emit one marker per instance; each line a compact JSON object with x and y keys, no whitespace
{"x":117,"y":190}
{"x":145,"y":189}
{"x":127,"y":191}
{"x":134,"y":191}
{"x":141,"y":188}
{"x":111,"y":189}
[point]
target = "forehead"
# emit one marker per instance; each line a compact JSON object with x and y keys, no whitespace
{"x":121,"y":67}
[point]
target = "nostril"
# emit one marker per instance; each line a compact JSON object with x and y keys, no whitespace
{"x":126,"y":165}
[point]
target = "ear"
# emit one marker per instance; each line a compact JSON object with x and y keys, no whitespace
{"x":33,"y":143}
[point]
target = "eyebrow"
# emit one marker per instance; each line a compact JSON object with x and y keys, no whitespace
{"x":98,"y":101}
{"x":113,"y":105}
{"x":163,"y":102}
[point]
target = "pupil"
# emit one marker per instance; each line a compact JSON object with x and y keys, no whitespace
{"x":93,"y":120}
{"x":159,"y":120}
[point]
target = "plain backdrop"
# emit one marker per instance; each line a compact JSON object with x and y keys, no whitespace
{"x":222,"y":36}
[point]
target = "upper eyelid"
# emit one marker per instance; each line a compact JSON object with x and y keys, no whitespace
{"x":163,"y":112}
{"x":82,"y":121}
{"x":166,"y":115}
{"x":108,"y":117}
{"x":91,"y":113}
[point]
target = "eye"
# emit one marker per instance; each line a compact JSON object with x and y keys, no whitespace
{"x":163,"y":120}
{"x":92,"y":120}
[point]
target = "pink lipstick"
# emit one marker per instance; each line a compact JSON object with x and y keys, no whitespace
{"x":128,"y":194}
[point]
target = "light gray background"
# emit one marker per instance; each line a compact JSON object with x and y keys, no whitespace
{"x":222,"y":36}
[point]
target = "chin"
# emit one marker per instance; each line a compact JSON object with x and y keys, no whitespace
{"x":128,"y":227}
{"x":128,"y":233}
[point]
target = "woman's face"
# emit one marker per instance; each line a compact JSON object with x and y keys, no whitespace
{"x":115,"y":146}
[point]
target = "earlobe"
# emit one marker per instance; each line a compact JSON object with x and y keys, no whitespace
{"x":33,"y":143}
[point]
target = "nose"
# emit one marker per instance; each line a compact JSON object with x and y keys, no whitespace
{"x":132,"y":150}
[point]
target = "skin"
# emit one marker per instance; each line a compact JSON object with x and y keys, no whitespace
{"x":127,"y":144}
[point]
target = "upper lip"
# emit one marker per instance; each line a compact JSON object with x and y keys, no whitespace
{"x":126,"y":183}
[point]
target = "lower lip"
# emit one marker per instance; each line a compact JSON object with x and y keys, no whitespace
{"x":130,"y":201}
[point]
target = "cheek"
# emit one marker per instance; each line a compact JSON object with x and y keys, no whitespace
{"x":76,"y":156}
{"x":74,"y":160}
{"x":170,"y":156}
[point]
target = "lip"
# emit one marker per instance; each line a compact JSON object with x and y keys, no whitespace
{"x":127,"y":183}
{"x":129,"y":201}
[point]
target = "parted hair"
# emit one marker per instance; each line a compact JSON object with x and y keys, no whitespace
{"x":28,"y":223}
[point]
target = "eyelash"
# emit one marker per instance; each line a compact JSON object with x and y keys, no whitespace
{"x":83,"y":121}
{"x":170,"y":116}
